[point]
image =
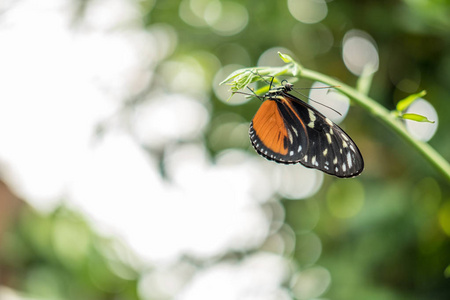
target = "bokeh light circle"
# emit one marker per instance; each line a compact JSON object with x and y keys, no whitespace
{"x":271,"y":58}
{"x":308,"y":249}
{"x":298,"y":182}
{"x":165,"y":282}
{"x":185,"y":74}
{"x":233,"y":53}
{"x":223,"y":17}
{"x":311,"y":283}
{"x":302,"y":215}
{"x":312,"y":41}
{"x":345,"y":198}
{"x":359,"y":52}
{"x":226,"y":18}
{"x":256,"y":276}
{"x":422,"y":131}
{"x":308,"y":11}
{"x":166,"y":118}
{"x":326,"y":100}
{"x":193,"y":12}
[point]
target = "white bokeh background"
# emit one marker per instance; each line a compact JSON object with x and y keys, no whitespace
{"x":67,"y":132}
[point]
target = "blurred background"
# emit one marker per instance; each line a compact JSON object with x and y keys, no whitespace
{"x":126,"y":174}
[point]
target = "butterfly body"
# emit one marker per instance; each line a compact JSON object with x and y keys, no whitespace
{"x":287,"y":130}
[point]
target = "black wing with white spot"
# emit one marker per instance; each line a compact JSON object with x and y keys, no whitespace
{"x":330,"y":149}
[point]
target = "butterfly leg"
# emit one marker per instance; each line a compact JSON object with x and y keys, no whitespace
{"x":262,"y":77}
{"x":256,"y":95}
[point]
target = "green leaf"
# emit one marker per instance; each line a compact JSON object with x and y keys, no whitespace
{"x":286,"y":58}
{"x":235,"y":74}
{"x":405,"y":103}
{"x":241,"y":78}
{"x":416,"y":117}
{"x":447,"y":272}
{"x":262,"y":90}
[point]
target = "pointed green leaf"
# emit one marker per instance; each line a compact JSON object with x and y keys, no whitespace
{"x":234,"y":75}
{"x":405,"y":103}
{"x":447,"y":272}
{"x":416,"y":117}
{"x":262,"y":91}
{"x":285,"y":57}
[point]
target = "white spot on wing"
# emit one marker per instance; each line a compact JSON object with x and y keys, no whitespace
{"x":328,"y":138}
{"x":291,"y":153}
{"x":299,"y":148}
{"x":291,"y":138}
{"x":325,"y":152}
{"x":312,"y":118}
{"x":349,"y":160}
{"x":329,"y":121}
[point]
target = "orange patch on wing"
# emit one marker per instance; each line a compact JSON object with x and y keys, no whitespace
{"x":270,"y":128}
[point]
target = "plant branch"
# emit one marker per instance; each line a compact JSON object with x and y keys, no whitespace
{"x":384,"y":116}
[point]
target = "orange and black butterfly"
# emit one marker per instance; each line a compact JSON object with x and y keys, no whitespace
{"x":287,"y":130}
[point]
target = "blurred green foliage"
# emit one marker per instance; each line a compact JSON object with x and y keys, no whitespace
{"x":58,"y":256}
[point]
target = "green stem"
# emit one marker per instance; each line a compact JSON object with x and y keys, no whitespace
{"x":385,"y":116}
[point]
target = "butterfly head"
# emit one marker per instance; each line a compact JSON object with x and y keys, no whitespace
{"x":283,"y":88}
{"x":287,"y":86}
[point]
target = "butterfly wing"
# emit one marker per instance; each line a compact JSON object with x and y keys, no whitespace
{"x":330,"y":149}
{"x":277,"y":135}
{"x":320,"y":143}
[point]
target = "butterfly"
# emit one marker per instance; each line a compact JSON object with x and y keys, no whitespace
{"x":287,"y":130}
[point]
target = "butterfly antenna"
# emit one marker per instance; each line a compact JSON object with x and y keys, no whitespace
{"x":330,"y":87}
{"x":300,"y":93}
